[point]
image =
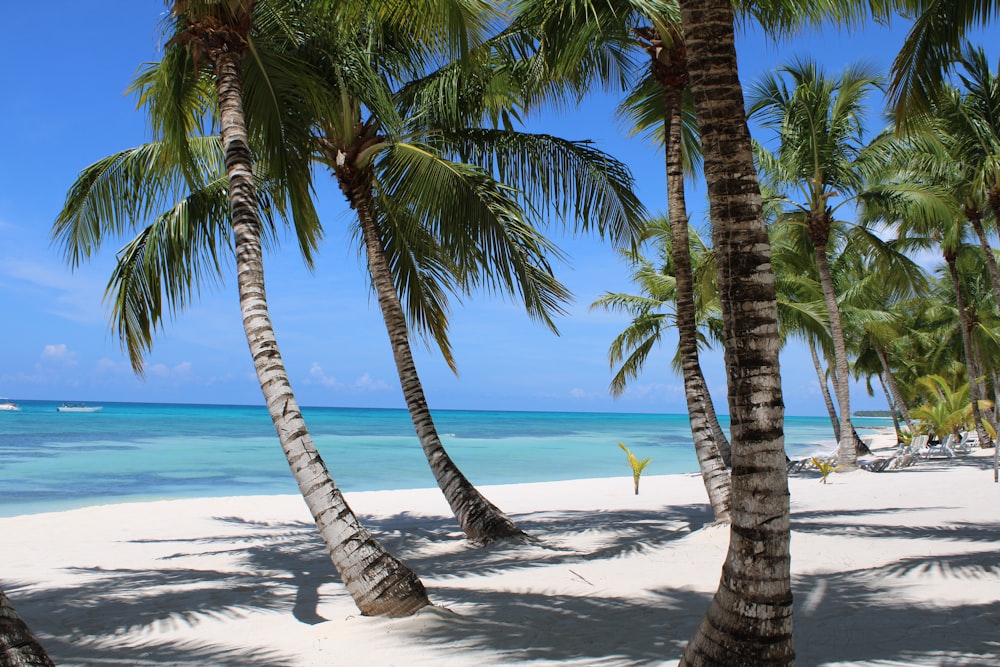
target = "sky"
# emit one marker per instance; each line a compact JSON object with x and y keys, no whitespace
{"x":65,"y":106}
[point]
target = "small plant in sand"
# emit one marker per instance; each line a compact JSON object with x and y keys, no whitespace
{"x":824,"y":466}
{"x":637,"y":466}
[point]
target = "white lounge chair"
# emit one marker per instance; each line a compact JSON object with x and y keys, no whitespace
{"x":969,"y":439}
{"x":917,"y":447}
{"x":943,"y":448}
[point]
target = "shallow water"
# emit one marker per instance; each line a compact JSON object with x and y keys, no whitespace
{"x":130,"y":451}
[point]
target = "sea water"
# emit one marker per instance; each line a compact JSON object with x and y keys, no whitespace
{"x":52,"y":461}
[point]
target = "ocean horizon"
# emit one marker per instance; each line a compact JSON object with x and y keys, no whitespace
{"x":52,"y":461}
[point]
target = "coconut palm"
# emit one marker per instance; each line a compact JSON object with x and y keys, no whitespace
{"x":214,"y":41}
{"x":819,"y":123}
{"x":970,"y":117}
{"x":936,"y":217}
{"x":18,"y":645}
{"x":652,"y":312}
{"x":654,"y":105}
{"x":946,"y":410}
{"x":876,"y":329}
{"x":749,"y":620}
{"x":930,"y":51}
{"x":875,"y":288}
{"x":432,"y":218}
{"x":668,"y":69}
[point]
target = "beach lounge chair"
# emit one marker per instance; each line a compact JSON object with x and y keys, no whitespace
{"x":969,"y":439}
{"x":961,"y":445}
{"x":904,"y":460}
{"x":877,"y":464}
{"x":918,"y":446}
{"x":942,"y":448}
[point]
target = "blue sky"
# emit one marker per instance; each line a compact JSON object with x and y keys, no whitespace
{"x":65,"y":107}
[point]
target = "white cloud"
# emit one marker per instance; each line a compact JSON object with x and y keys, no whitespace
{"x":577,"y":392}
{"x":60,"y":354}
{"x":75,"y":295}
{"x":364,"y":383}
{"x":106,"y":365}
{"x":317,"y":376}
{"x":182,"y":372}
{"x":656,"y":391}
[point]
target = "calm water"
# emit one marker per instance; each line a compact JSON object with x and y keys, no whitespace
{"x":128,"y":451}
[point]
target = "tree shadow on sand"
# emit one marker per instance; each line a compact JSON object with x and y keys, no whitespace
{"x":282,"y":567}
{"x":880,"y":628}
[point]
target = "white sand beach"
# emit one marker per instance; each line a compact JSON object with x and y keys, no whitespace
{"x":892,"y":568}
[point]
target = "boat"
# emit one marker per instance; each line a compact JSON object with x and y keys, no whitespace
{"x":9,"y":406}
{"x":79,"y":407}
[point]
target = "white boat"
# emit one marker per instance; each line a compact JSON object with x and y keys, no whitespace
{"x":79,"y":407}
{"x":9,"y":406}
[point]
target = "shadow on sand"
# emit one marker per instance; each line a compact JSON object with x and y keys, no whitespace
{"x":283,"y":566}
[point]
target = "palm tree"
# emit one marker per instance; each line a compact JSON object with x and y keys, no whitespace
{"x":801,"y":309}
{"x":668,"y":68}
{"x":819,"y":124}
{"x":214,"y":38}
{"x":630,"y":349}
{"x":927,"y":159}
{"x":877,"y":328}
{"x":431,"y":224}
{"x":971,"y":118}
{"x":18,"y":645}
{"x":946,"y":410}
{"x":749,"y":620}
{"x":930,"y":50}
{"x":654,"y":105}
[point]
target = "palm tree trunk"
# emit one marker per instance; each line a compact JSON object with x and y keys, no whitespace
{"x":892,"y":407}
{"x":480,"y":520}
{"x":831,"y":409}
{"x":984,"y":243}
{"x":893,"y":387}
{"x":379,"y":583}
{"x":847,"y":457}
{"x":950,"y":257}
{"x":710,"y":458}
{"x":718,"y":434}
{"x":996,"y":396}
{"x":749,"y":620}
{"x":18,"y":646}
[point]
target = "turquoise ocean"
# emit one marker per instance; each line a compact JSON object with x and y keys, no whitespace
{"x":52,"y":461}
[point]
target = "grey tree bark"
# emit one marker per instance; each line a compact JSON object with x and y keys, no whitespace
{"x":670,"y":70}
{"x":18,"y":645}
{"x":749,"y":621}
{"x":379,"y":583}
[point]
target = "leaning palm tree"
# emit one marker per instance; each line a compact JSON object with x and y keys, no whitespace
{"x":668,"y":69}
{"x":650,"y":313}
{"x":440,"y":204}
{"x":213,"y":41}
{"x":654,"y":105}
{"x":749,"y":620}
{"x":18,"y":645}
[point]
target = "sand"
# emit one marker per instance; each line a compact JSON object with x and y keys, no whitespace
{"x":893,"y":568}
